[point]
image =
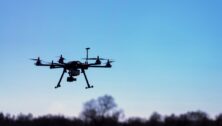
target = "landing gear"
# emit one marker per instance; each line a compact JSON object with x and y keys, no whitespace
{"x":71,"y":79}
{"x":58,"y":85}
{"x":89,"y":87}
{"x":87,"y":82}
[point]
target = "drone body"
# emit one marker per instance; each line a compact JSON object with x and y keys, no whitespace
{"x":74,"y":68}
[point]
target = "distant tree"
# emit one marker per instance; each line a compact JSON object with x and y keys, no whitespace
{"x":89,"y":112}
{"x":2,"y":118}
{"x":218,"y":120}
{"x":135,"y":121}
{"x":197,"y":118}
{"x":155,"y":119}
{"x":102,"y":108}
{"x":23,"y":117}
{"x":171,"y":120}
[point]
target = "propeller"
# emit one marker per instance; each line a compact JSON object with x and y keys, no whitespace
{"x":38,"y":61}
{"x":61,"y":59}
{"x":52,"y":65}
{"x":111,"y":61}
{"x":108,"y":63}
{"x":97,"y":58}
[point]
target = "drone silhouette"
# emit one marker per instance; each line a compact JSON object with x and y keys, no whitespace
{"x":75,"y":67}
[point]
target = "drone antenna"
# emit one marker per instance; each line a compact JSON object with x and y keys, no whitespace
{"x":87,"y":54}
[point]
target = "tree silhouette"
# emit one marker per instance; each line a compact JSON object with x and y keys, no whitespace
{"x":218,"y":120}
{"x":135,"y":121}
{"x":171,"y":120}
{"x":103,"y":109}
{"x":155,"y":119}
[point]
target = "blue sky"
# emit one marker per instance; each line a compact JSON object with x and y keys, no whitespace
{"x":168,"y":55}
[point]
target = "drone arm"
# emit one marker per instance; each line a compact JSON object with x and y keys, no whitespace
{"x":87,"y":82}
{"x":92,"y":64}
{"x":55,"y":64}
{"x":42,"y":64}
{"x":58,"y":85}
{"x":52,"y":66}
{"x":55,"y":67}
{"x":101,"y":66}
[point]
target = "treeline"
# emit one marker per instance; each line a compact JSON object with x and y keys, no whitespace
{"x":103,"y":111}
{"x":197,"y":118}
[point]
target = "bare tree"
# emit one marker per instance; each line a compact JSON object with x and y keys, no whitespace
{"x":101,"y":108}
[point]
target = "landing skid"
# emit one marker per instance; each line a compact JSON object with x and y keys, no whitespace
{"x":89,"y":87}
{"x":57,"y":86}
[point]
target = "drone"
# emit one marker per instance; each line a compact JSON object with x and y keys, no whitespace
{"x":73,"y":68}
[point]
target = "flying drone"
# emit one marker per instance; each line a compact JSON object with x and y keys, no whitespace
{"x":73,"y":68}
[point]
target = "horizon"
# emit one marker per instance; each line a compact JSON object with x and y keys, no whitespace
{"x":168,"y":55}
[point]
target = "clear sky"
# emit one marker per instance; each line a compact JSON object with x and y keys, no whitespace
{"x":167,"y":53}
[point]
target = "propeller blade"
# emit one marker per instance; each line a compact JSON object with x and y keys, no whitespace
{"x":109,"y":61}
{"x":61,"y":56}
{"x":96,"y":58}
{"x":35,"y":59}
